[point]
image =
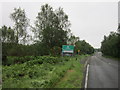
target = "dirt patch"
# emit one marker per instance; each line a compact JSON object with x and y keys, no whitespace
{"x":66,"y":75}
{"x":70,"y":71}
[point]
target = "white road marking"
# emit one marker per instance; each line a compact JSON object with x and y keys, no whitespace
{"x":86,"y":79}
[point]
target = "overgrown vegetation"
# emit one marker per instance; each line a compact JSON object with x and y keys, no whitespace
{"x":111,"y":45}
{"x":43,"y":71}
{"x":50,"y":32}
{"x":34,"y":59}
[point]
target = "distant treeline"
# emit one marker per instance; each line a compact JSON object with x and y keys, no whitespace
{"x":111,"y":44}
{"x":50,"y":32}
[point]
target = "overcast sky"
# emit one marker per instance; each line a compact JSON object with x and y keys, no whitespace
{"x":90,"y":20}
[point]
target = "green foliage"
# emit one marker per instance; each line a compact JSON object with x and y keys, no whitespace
{"x":73,"y":77}
{"x":111,"y":45}
{"x":11,"y":60}
{"x":51,"y":31}
{"x":84,"y":47}
{"x":55,"y":51}
{"x":35,"y":74}
{"x":13,"y":49}
{"x":28,"y":63}
{"x":72,"y":39}
{"x":21,"y":23}
{"x":51,"y":27}
{"x":7,"y":34}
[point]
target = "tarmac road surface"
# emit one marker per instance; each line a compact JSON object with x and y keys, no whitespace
{"x":103,"y":72}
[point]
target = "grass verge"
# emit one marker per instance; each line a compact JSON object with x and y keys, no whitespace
{"x":74,"y":76}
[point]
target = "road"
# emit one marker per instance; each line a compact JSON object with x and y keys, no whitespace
{"x":103,"y":72}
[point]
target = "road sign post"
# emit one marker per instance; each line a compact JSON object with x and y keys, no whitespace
{"x":67,"y":49}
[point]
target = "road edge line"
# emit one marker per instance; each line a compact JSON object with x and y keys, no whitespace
{"x":86,"y":78}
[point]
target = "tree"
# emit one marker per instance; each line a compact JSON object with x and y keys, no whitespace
{"x":51,"y":27}
{"x":21,"y":23}
{"x":72,"y":39}
{"x":84,"y":47}
{"x":118,"y":45}
{"x":8,"y":35}
{"x":110,"y":45}
{"x":4,"y":32}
